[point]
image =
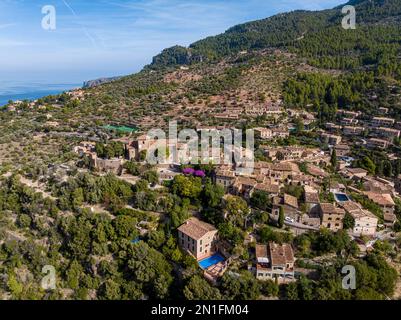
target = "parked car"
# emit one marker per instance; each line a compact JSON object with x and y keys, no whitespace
{"x":288,"y":219}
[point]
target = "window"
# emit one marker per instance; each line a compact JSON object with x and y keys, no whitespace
{"x":200,"y":242}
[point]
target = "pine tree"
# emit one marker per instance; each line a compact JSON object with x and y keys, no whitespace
{"x":333,"y":159}
{"x":281,"y":218}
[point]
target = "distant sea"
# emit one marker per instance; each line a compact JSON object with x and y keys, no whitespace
{"x":18,"y":90}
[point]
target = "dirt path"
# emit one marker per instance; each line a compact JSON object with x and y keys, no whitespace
{"x":37,"y":187}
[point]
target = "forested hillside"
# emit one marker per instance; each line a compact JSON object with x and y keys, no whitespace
{"x":317,"y":36}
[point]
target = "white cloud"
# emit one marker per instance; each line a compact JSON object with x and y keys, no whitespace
{"x":7,"y":25}
{"x":12,"y":43}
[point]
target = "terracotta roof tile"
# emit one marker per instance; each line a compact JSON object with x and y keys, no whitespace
{"x":195,"y":228}
{"x":290,"y":200}
{"x":281,"y":254}
{"x":268,"y":187}
{"x":380,"y":199}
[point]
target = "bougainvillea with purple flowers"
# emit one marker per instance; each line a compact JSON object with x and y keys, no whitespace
{"x":200,"y":173}
{"x":188,"y":171}
{"x":196,"y":173}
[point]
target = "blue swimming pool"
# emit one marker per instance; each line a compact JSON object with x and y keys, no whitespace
{"x":341,"y":197}
{"x":135,"y":241}
{"x":212,"y":260}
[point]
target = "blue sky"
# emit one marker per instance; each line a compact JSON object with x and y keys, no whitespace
{"x":97,"y":38}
